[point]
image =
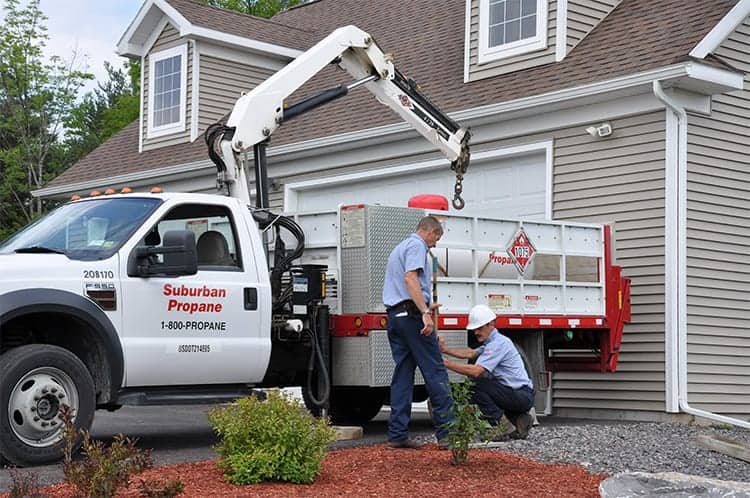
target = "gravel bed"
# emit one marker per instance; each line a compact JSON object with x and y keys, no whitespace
{"x":634,"y":447}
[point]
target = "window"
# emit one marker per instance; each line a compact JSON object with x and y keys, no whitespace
{"x":511,"y":27}
{"x":166,"y":91}
{"x":88,"y":230}
{"x":214,"y":231}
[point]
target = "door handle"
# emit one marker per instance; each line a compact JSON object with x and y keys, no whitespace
{"x":251,"y":298}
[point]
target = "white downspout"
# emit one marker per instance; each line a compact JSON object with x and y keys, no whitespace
{"x":676,"y":276}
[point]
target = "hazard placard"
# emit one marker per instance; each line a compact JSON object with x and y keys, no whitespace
{"x":521,"y":250}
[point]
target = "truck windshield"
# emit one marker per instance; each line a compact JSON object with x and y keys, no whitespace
{"x":86,"y":230}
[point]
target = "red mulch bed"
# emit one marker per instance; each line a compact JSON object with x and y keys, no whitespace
{"x":379,"y":471}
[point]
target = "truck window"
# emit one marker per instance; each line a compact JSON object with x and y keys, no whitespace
{"x":90,"y":229}
{"x":214,"y":230}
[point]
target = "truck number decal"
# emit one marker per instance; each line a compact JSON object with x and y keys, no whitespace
{"x":194,"y":325}
{"x":98,"y":274}
{"x":194,"y":348}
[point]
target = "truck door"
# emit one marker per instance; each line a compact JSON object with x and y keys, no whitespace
{"x":198,"y":329}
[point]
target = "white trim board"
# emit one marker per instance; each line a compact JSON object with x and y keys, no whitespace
{"x":722,"y":30}
{"x":291,"y":189}
{"x":561,"y":31}
{"x":125,"y":47}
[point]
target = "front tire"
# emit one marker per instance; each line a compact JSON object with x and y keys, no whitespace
{"x":35,"y":381}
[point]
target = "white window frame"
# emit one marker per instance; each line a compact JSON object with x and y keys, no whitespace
{"x":180,"y":125}
{"x":489,"y":54}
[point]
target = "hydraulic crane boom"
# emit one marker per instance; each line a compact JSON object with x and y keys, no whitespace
{"x":259,"y":113}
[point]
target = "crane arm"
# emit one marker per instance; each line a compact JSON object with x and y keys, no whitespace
{"x":257,"y":114}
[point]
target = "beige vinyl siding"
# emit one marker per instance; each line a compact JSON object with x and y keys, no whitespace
{"x":620,"y":179}
{"x":718,"y":245}
{"x":513,"y":63}
{"x":221,"y":84}
{"x":168,"y":38}
{"x":584,"y":16}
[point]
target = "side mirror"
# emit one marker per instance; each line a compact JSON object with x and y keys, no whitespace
{"x":180,"y":257}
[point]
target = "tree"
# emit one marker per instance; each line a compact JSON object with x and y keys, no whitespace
{"x":258,"y":8}
{"x":105,"y":111}
{"x":36,"y":97}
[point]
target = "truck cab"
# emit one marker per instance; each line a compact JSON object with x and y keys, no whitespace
{"x":130,"y":293}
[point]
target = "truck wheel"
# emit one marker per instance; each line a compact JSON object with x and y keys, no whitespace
{"x":35,"y":381}
{"x":350,"y":405}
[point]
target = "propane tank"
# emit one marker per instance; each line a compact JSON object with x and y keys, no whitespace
{"x":429,"y":201}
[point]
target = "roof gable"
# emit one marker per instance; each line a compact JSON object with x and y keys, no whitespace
{"x":200,"y":21}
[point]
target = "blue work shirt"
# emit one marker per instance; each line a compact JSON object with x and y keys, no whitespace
{"x":499,"y":356}
{"x":409,"y":255}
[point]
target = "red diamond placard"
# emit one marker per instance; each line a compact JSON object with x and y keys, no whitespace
{"x":521,"y":250}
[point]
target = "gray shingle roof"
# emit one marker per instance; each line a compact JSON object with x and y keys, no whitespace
{"x":637,"y":36}
{"x":265,"y":30}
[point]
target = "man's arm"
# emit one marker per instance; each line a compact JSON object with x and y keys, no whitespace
{"x":411,"y":278}
{"x":465,"y":369}
{"x":463,"y":353}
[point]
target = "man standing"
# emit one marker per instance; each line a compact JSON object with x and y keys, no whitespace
{"x":407,"y":294}
{"x":501,"y":384}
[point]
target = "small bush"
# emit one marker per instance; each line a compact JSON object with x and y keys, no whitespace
{"x":102,"y":470}
{"x":158,"y":489}
{"x":467,"y":422}
{"x":24,"y":484}
{"x":272,"y":440}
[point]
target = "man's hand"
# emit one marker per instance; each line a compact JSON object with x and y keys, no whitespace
{"x":441,"y":343}
{"x":429,"y":326}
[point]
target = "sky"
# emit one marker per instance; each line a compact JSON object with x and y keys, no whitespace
{"x":90,"y":27}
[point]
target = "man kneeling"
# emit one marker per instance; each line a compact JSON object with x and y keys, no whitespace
{"x":501,"y":384}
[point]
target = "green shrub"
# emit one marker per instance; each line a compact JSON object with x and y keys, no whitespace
{"x":103,"y":469}
{"x":272,"y":440}
{"x":467,"y":423}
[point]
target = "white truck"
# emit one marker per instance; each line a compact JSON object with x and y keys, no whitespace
{"x":168,"y":298}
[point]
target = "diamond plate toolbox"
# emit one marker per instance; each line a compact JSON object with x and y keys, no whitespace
{"x":368,"y":235}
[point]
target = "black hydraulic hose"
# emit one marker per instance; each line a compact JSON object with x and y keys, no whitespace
{"x":213,"y":137}
{"x":316,"y":353}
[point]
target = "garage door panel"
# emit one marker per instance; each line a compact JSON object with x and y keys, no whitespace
{"x":510,"y":187}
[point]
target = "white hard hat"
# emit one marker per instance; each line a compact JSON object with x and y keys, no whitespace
{"x":480,"y":315}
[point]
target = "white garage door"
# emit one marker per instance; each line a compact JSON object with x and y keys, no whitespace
{"x":510,"y":183}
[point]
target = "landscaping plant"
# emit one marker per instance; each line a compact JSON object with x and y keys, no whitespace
{"x":102,"y":470}
{"x":467,"y":423}
{"x":24,"y":484}
{"x":276,"y":439}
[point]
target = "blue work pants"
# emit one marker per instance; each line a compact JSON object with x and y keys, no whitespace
{"x":411,"y":349}
{"x":495,"y":399}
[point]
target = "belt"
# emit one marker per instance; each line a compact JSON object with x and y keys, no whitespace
{"x":405,"y":305}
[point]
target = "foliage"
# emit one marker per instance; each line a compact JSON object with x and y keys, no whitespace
{"x":102,"y":470}
{"x":158,"y":489}
{"x":24,"y":485}
{"x":272,"y":440}
{"x":467,"y":422}
{"x":105,"y":111}
{"x":258,"y":8}
{"x":36,"y":97}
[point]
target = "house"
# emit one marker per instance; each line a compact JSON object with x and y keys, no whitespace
{"x":631,"y":112}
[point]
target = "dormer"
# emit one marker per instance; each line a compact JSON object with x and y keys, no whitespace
{"x":191,"y":73}
{"x":503,"y":36}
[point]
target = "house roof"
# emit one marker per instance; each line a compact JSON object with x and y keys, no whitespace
{"x":256,"y":28}
{"x":639,"y":35}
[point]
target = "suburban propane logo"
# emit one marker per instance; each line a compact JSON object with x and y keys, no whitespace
{"x":181,"y":298}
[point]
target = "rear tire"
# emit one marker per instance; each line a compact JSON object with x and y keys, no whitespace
{"x":35,"y":381}
{"x":350,"y":405}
